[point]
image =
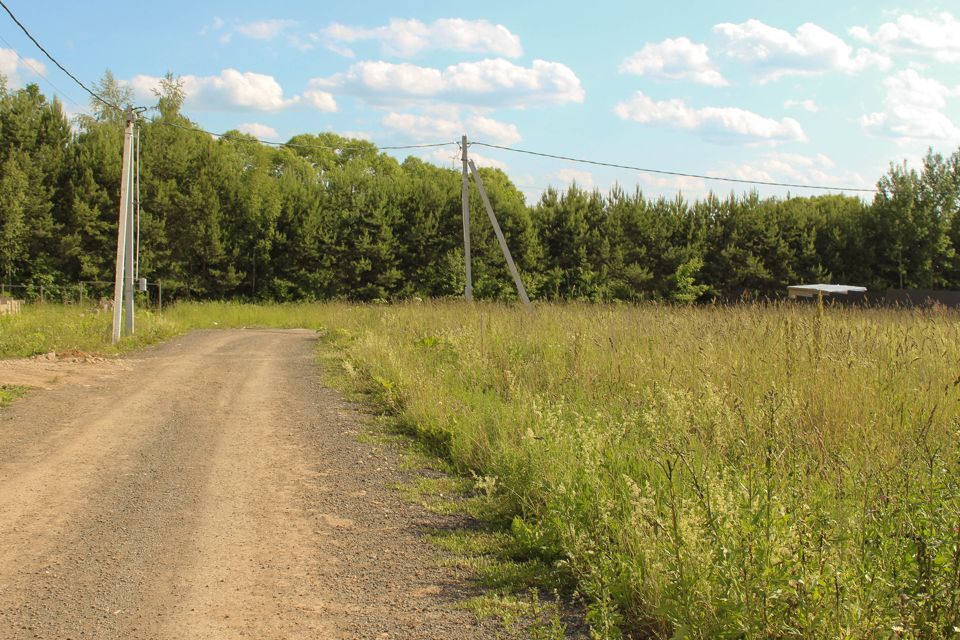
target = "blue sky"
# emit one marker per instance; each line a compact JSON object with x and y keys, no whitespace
{"x":814,"y":92}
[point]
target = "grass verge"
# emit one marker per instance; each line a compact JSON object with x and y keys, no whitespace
{"x":9,"y":393}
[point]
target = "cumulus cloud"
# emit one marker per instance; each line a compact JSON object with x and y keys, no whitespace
{"x":717,"y":124}
{"x":319,"y":99}
{"x":489,"y":82}
{"x":421,"y":127}
{"x":675,"y":59}
{"x":451,"y":158}
{"x":937,"y":37}
{"x":258,"y":29}
{"x":794,"y":168}
{"x":231,"y":89}
{"x":581,"y":177}
{"x":12,"y":66}
{"x":482,"y":160}
{"x":446,"y":124}
{"x":774,"y":53}
{"x":264,"y":29}
{"x":258,"y":130}
{"x":407,"y":38}
{"x":807,"y":105}
{"x":216,"y":25}
{"x":913,"y":111}
{"x":493,"y":131}
{"x":681,"y":184}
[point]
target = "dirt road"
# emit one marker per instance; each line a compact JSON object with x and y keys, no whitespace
{"x":210,"y":488}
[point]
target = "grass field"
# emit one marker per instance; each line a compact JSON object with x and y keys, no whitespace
{"x":693,"y":472}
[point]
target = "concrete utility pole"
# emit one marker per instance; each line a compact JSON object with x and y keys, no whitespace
{"x":122,"y":233}
{"x":465,"y":203}
{"x":128,"y":257}
{"x":521,"y":290}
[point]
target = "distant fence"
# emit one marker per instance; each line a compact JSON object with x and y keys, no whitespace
{"x":922,"y":298}
{"x":902,"y":298}
{"x":85,"y":292}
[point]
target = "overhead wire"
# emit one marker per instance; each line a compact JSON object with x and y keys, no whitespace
{"x":306,"y":146}
{"x":92,"y":93}
{"x":136,"y":155}
{"x":614,"y":165}
{"x":27,"y":62}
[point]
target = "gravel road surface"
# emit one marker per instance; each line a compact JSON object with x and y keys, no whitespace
{"x":211,"y":488}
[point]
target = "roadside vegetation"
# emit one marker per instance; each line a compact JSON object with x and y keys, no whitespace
{"x":750,"y":471}
{"x":702,"y":472}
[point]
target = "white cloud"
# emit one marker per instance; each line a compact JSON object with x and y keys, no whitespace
{"x":808,"y":105}
{"x":216,"y":25}
{"x":675,"y":59}
{"x":450,"y":157}
{"x":319,"y":99}
{"x":231,"y":89}
{"x":423,"y":127}
{"x":774,"y":53}
{"x":263,"y":29}
{"x":12,"y":66}
{"x":492,"y":131}
{"x":718,"y":124}
{"x":794,"y":168}
{"x":569,"y":176}
{"x":683,"y":184}
{"x":489,"y":82}
{"x":913,"y":111}
{"x":258,"y":130}
{"x":357,"y":135}
{"x":486,"y":161}
{"x":938,"y":37}
{"x":299,"y":43}
{"x":446,"y":124}
{"x":407,"y":38}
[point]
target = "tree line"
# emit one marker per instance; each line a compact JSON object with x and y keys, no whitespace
{"x":334,"y":218}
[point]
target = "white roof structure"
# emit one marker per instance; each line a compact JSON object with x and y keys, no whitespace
{"x":813,"y":290}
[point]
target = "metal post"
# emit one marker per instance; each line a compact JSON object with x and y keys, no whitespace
{"x":137,"y":173}
{"x":159,"y":297}
{"x":465,"y":204}
{"x":503,"y":241}
{"x":41,"y":294}
{"x":122,"y":229}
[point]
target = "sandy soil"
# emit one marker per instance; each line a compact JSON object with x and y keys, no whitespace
{"x":208,"y":488}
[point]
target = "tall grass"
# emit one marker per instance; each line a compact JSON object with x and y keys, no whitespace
{"x":713,"y":472}
{"x":42,"y":328}
{"x":762,"y":471}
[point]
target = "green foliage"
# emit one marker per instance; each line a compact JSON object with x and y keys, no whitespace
{"x":334,"y":219}
{"x":9,"y":393}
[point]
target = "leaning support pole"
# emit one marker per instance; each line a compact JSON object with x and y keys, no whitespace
{"x":503,"y":241}
{"x":122,"y":229}
{"x":465,"y":204}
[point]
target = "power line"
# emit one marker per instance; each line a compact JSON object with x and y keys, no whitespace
{"x":305,"y":146}
{"x":28,"y":63}
{"x":672,"y":173}
{"x":92,"y":93}
{"x":613,"y":165}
